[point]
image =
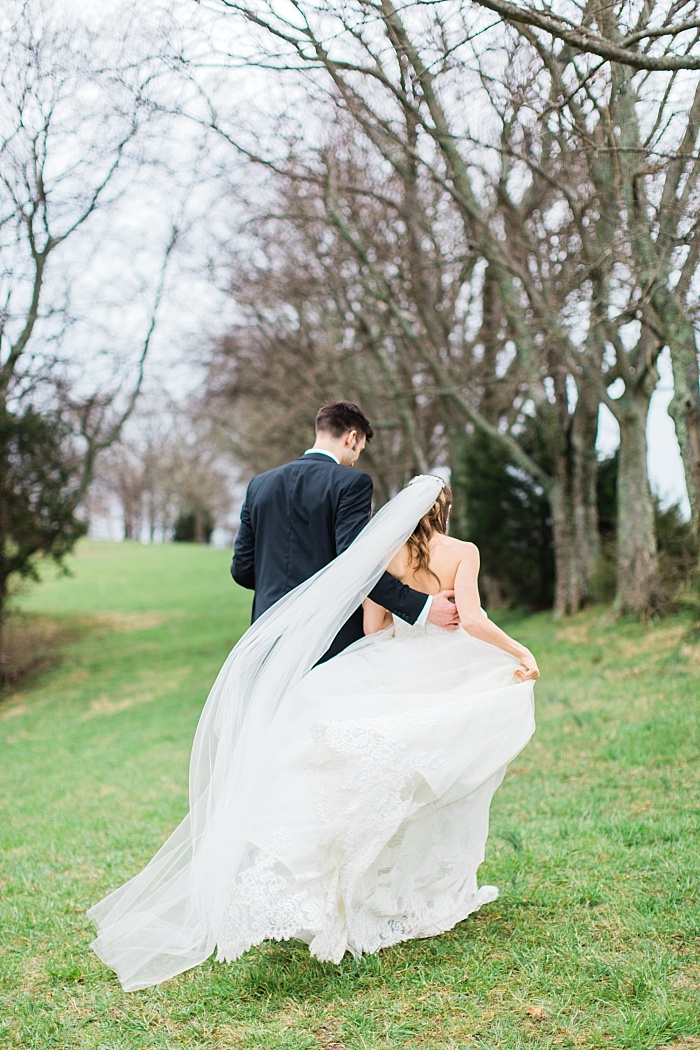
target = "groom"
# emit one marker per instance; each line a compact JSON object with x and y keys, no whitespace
{"x":298,"y":517}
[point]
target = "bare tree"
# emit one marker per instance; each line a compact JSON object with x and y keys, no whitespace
{"x":558,"y":203}
{"x":640,"y":35}
{"x":317,"y":324}
{"x":72,"y":130}
{"x":69,"y":126}
{"x":631,"y":197}
{"x":393,"y":98}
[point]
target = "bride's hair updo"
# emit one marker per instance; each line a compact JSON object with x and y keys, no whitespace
{"x":434,"y":521}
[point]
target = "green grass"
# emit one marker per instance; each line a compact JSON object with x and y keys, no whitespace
{"x":595,"y":842}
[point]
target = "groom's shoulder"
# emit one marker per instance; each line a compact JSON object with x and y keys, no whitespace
{"x":359,"y":479}
{"x":351,"y":479}
{"x":259,"y":482}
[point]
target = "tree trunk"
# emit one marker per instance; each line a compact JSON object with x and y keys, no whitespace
{"x":3,"y":616}
{"x":684,"y":410}
{"x":638,"y":586}
{"x":151,"y":504}
{"x":572,"y":499}
{"x":584,"y":431}
{"x":200,"y":535}
{"x":570,"y":586}
{"x":459,"y":516}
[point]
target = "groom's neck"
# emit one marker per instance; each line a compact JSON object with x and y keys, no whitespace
{"x":337,"y":449}
{"x":324,"y":444}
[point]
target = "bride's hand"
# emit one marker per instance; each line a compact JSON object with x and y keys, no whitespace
{"x":528,"y":670}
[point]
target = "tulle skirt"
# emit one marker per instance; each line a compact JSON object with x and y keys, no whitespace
{"x":377,"y":779}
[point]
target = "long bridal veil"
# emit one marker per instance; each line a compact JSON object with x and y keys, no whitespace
{"x":164,"y":920}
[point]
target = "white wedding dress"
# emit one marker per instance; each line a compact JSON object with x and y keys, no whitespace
{"x":345,"y":804}
{"x":374,"y":824}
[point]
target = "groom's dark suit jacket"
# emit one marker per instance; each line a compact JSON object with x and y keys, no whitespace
{"x":296,"y":519}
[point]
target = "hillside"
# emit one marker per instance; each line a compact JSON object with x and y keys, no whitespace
{"x":594,"y":841}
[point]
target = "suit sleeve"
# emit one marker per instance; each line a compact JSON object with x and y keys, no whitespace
{"x":243,"y":564}
{"x":399,"y":599}
{"x":352,"y":516}
{"x":353,"y":511}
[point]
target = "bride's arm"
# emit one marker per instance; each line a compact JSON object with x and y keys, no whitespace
{"x":479,"y":626}
{"x":376,"y":617}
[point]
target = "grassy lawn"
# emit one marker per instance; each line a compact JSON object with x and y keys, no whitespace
{"x":595,"y":842}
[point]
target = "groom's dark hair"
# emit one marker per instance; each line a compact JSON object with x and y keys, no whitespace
{"x":341,"y":416}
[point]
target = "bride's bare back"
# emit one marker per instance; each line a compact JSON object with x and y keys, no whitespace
{"x":454,"y":566}
{"x":446,"y":557}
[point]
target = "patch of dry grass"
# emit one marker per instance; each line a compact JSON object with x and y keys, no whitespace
{"x":32,"y":644}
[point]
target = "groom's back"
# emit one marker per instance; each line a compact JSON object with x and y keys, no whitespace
{"x":296,"y":519}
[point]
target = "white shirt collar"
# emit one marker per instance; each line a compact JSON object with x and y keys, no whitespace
{"x":324,"y":452}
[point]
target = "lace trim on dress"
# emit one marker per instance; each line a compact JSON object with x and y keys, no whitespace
{"x":267,"y":902}
{"x":369,"y":789}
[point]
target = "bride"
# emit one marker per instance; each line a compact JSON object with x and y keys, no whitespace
{"x":344,"y":804}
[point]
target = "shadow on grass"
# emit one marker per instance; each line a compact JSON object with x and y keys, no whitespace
{"x":284,"y":972}
{"x":278,"y":973}
{"x":32,"y":645}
